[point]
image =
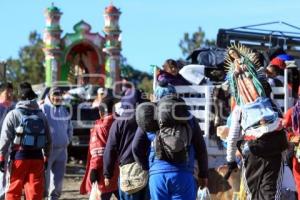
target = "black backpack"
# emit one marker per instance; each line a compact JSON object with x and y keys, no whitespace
{"x":172,"y":143}
{"x":174,"y":137}
{"x":34,"y":130}
{"x":171,"y":111}
{"x":208,"y":56}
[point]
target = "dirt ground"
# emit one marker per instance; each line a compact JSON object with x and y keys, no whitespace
{"x":72,"y":181}
{"x":219,"y":188}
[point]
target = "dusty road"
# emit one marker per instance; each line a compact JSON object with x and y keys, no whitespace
{"x":219,"y":188}
{"x":72,"y":183}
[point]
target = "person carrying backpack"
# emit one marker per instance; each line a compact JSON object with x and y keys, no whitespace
{"x":175,"y":144}
{"x":26,"y":132}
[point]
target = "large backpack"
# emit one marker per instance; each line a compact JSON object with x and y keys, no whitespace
{"x":213,"y":57}
{"x":171,"y":111}
{"x":34,"y":130}
{"x":173,"y":139}
{"x":172,"y":143}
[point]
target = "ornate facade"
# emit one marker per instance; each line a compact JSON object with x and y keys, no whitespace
{"x":82,"y":57}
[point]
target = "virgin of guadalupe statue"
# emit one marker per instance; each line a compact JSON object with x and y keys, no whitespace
{"x":79,"y":70}
{"x":242,"y":75}
{"x":247,"y":89}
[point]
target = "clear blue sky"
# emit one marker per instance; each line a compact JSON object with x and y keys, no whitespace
{"x":151,"y":29}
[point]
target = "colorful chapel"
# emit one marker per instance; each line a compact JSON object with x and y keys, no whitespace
{"x":82,"y":57}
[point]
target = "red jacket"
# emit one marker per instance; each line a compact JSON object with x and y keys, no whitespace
{"x":98,"y":139}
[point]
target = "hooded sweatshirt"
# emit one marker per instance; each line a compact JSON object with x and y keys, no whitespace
{"x":11,"y":122}
{"x":121,"y":134}
{"x":59,"y":120}
{"x":164,"y":78}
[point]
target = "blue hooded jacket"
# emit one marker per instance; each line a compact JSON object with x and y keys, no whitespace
{"x":59,"y":121}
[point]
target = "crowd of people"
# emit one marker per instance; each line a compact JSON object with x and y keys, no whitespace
{"x":34,"y":141}
{"x":153,"y":148}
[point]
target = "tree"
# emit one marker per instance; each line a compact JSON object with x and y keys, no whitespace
{"x":194,"y":41}
{"x":146,"y":85}
{"x":14,"y":70}
{"x":140,"y":79}
{"x":32,"y":58}
{"x":29,"y":65}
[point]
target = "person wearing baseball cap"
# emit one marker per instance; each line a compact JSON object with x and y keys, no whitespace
{"x":61,"y":129}
{"x":101,"y":93}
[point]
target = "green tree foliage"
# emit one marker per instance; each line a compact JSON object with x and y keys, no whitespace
{"x":146,"y":85}
{"x":193,"y":41}
{"x":141,"y":79}
{"x":14,"y":71}
{"x":29,"y":64}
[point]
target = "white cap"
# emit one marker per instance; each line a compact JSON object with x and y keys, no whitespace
{"x":100,"y":90}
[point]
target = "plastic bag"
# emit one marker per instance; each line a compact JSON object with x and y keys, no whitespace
{"x":193,"y":73}
{"x":203,"y":194}
{"x":95,"y":192}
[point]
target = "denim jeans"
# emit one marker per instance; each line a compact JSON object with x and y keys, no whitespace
{"x":140,"y":195}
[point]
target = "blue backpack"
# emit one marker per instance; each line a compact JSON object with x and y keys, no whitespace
{"x":34,"y":130}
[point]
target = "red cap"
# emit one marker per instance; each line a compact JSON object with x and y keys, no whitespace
{"x":278,"y":62}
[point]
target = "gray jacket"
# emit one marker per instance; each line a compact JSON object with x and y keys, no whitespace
{"x":13,"y":120}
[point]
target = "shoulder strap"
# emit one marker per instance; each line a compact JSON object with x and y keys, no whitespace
{"x":21,"y":111}
{"x":190,"y":127}
{"x":27,"y":111}
{"x":191,"y":122}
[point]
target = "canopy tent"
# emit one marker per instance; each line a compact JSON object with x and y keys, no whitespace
{"x":263,"y":36}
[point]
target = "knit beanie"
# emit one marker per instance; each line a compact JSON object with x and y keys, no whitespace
{"x":164,"y":91}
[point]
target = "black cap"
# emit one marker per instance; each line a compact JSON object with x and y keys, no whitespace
{"x":5,"y":85}
{"x":107,"y":104}
{"x":55,"y":91}
{"x":27,"y":94}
